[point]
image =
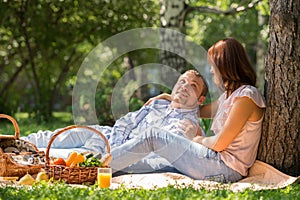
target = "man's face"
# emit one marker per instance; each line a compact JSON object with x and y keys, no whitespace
{"x":187,"y":91}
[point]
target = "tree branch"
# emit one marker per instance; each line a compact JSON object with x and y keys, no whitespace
{"x":239,"y":8}
{"x":30,"y":52}
{"x":12,"y":79}
{"x":7,"y":57}
{"x":64,"y":71}
{"x":205,"y":9}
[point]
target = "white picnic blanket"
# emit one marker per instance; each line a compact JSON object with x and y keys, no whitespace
{"x":261,"y":176}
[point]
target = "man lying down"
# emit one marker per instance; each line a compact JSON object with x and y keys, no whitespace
{"x":171,"y":116}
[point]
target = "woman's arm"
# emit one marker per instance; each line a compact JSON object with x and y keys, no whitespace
{"x":243,"y":110}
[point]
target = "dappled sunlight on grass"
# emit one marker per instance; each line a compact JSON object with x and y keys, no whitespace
{"x":63,"y":116}
{"x":28,"y":125}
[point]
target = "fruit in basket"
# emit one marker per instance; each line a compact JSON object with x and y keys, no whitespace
{"x":9,"y":178}
{"x":42,"y":176}
{"x":91,"y":162}
{"x":26,"y":180}
{"x":79,"y":159}
{"x":71,"y":158}
{"x":88,"y":155}
{"x":59,"y":161}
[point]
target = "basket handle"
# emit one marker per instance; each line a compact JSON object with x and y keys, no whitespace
{"x":72,"y":127}
{"x":14,"y":122}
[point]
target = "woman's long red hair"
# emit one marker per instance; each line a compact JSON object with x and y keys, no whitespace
{"x":232,"y":61}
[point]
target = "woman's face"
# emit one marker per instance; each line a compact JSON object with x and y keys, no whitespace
{"x":216,"y":74}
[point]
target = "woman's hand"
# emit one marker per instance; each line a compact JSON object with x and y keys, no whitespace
{"x":198,"y":139}
{"x":189,"y":129}
{"x":161,"y":96}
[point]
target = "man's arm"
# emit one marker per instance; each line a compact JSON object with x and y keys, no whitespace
{"x":124,"y":126}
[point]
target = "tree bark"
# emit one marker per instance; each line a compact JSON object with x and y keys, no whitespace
{"x":172,"y":17}
{"x":260,"y":56}
{"x":280,"y":145}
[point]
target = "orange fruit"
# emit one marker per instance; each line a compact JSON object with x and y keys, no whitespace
{"x":79,"y":158}
{"x":71,"y":158}
{"x":59,"y":161}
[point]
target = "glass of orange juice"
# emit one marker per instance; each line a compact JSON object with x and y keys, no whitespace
{"x":104,"y":177}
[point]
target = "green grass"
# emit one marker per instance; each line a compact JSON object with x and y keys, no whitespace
{"x":27,"y":125}
{"x":63,"y":191}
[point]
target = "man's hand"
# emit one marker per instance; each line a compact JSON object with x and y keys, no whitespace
{"x":161,"y":96}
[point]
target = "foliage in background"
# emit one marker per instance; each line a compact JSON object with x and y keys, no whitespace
{"x":43,"y":44}
{"x":250,"y":27}
{"x":110,"y":78}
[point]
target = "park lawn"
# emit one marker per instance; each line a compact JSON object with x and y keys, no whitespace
{"x":27,"y":125}
{"x":64,"y":191}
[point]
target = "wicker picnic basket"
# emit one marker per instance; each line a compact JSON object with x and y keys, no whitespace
{"x":13,"y":152}
{"x":74,"y":175}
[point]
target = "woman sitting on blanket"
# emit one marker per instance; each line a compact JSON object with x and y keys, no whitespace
{"x":237,"y":119}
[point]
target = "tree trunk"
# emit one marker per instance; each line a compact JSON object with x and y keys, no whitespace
{"x":280,"y":145}
{"x":260,"y":56}
{"x":172,"y":17}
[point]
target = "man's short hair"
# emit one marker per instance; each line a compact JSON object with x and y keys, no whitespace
{"x":205,"y":85}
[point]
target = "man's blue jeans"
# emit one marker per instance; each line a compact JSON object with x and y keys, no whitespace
{"x":190,"y":158}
